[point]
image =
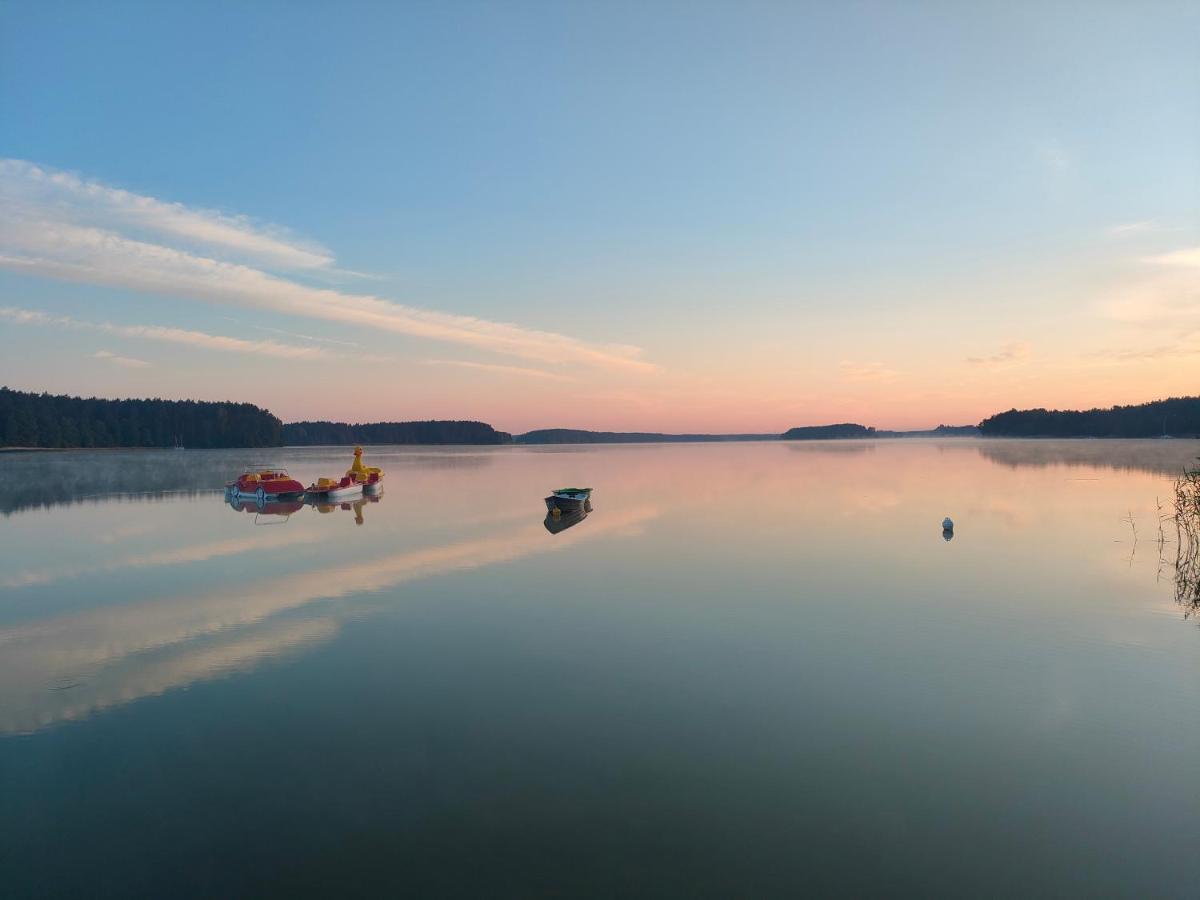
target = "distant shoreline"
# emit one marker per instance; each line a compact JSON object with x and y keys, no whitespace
{"x":39,"y":422}
{"x":601,"y":443}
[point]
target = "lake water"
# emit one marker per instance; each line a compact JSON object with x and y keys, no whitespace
{"x":754,"y":669}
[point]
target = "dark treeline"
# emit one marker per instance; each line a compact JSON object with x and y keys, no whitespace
{"x":58,"y":421}
{"x":825,"y":432}
{"x":1177,"y":416}
{"x":433,"y":432}
{"x":580,"y":436}
{"x":55,"y":421}
{"x":809,"y":433}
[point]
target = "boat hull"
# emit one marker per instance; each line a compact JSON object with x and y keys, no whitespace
{"x":337,"y":493}
{"x":556,"y":501}
{"x":562,"y":520}
{"x":266,"y":492}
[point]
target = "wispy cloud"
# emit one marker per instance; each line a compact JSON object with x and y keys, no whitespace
{"x":1164,"y":293}
{"x":1053,"y":155}
{"x":53,"y":238}
{"x":499,"y":369}
{"x":1129,"y":229}
{"x":169,"y":335}
{"x":305,"y":337}
{"x":1013,"y":351}
{"x":866,"y":371}
{"x":1188,"y":257}
{"x":38,"y":188}
{"x":127,"y":362}
{"x":1146,"y":354}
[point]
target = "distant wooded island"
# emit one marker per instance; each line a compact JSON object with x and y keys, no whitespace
{"x":297,"y":434}
{"x":828,"y":432}
{"x":48,"y":421}
{"x":579,"y":436}
{"x":844,"y":431}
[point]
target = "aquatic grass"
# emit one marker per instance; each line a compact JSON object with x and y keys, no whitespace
{"x":1187,"y":540}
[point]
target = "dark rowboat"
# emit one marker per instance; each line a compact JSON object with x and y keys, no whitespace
{"x":568,"y":498}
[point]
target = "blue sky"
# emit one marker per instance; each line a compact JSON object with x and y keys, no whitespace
{"x":902,"y":213}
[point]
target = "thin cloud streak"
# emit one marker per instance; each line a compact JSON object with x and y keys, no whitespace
{"x":499,"y":369}
{"x":1164,"y":294}
{"x":305,"y":337}
{"x":169,"y":335}
{"x":1129,"y":229}
{"x":866,"y":372}
{"x":1145,"y":354}
{"x":43,"y":241}
{"x":127,"y":362}
{"x":1013,"y":351}
{"x":1053,"y":154}
{"x":1189,"y":257}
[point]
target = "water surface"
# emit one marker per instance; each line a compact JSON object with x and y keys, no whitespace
{"x":752,"y":669}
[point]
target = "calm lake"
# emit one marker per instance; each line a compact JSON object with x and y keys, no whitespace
{"x":753,"y":669}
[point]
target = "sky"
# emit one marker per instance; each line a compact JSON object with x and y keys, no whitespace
{"x":702,"y":217}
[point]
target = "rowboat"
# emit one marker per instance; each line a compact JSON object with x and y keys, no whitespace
{"x":568,"y":498}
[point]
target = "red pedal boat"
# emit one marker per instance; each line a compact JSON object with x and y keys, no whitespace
{"x":265,"y":484}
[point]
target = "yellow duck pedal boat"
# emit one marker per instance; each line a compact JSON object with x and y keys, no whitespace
{"x":370,"y":478}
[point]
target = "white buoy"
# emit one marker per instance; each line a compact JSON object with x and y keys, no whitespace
{"x":947,"y":524}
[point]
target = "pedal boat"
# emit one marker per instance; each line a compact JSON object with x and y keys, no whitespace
{"x":264,"y":485}
{"x":370,"y":477}
{"x":373,"y":486}
{"x":569,"y":498}
{"x":330,"y":489}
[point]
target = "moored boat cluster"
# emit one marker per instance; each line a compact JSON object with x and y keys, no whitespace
{"x":275,"y":484}
{"x":265,"y":488}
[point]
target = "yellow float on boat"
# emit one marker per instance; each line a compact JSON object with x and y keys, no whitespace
{"x":370,"y":477}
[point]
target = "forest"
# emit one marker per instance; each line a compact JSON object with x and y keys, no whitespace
{"x":825,"y":432}
{"x":1174,"y":417}
{"x":433,"y":432}
{"x":58,"y":421}
{"x":50,"y":421}
{"x":579,"y":436}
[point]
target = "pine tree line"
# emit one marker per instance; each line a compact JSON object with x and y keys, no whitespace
{"x":1175,"y":416}
{"x":59,"y":421}
{"x":432,"y":432}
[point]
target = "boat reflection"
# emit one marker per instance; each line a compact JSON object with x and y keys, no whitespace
{"x":560,"y":520}
{"x":265,"y":510}
{"x":271,"y":512}
{"x":356,"y":506}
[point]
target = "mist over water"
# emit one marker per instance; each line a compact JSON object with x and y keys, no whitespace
{"x":751,"y":668}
